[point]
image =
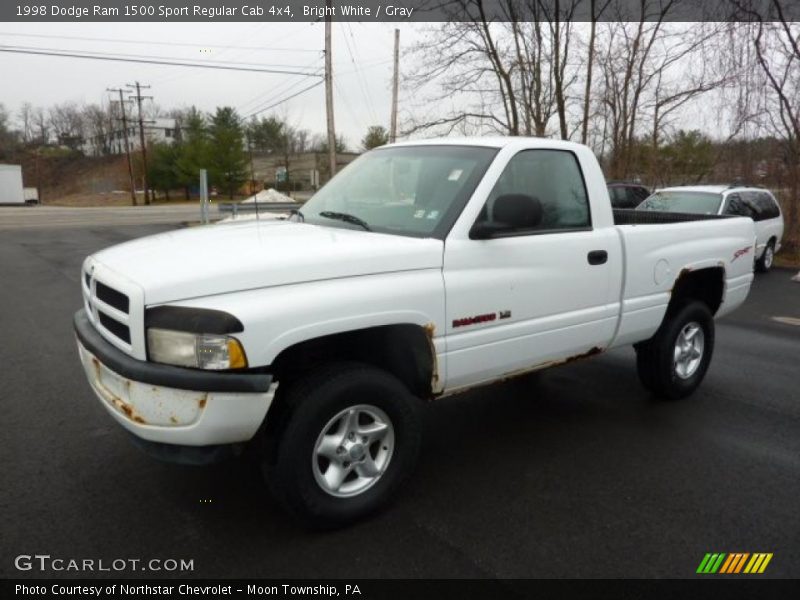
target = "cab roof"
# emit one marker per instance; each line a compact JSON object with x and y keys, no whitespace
{"x":489,"y":142}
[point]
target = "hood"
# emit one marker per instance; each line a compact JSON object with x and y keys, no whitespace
{"x":204,"y":261}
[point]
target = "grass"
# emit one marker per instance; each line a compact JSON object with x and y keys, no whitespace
{"x":788,"y":260}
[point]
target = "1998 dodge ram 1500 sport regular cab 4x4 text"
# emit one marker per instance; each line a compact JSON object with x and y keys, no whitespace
{"x":422,"y":269}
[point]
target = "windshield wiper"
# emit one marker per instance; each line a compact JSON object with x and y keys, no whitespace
{"x":346,"y":217}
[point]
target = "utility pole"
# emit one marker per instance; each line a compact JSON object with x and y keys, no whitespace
{"x":329,"y":90}
{"x":139,"y":99}
{"x":127,"y":144}
{"x":252,"y":170}
{"x":395,"y":86}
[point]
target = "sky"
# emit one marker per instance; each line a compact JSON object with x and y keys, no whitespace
{"x":362,"y":68}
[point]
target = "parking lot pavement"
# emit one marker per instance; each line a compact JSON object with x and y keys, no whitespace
{"x":578,"y":474}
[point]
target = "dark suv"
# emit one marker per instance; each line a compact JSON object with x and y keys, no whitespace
{"x":626,"y":195}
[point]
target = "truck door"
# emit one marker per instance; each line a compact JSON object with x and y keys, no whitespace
{"x":536,"y":294}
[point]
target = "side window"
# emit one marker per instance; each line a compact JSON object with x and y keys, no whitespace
{"x":735,"y":206}
{"x":750,"y":199}
{"x":770,"y":206}
{"x":551,"y":177}
{"x":619,"y":197}
{"x":640,"y":193}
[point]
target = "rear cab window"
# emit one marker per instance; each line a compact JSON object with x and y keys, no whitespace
{"x":683,"y":201}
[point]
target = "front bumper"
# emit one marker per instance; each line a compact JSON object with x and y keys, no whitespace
{"x":172,"y":405}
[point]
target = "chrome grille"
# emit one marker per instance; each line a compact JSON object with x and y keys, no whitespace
{"x":108,"y":310}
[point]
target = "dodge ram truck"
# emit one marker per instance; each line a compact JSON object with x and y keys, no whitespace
{"x":422,"y":269}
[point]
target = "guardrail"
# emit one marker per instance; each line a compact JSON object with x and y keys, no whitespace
{"x":235,"y":208}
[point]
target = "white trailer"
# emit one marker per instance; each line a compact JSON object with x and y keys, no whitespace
{"x":11,"y":185}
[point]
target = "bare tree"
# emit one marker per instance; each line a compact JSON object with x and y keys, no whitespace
{"x":651,"y":70}
{"x":26,"y":121}
{"x":777,"y":48}
{"x":596,"y":12}
{"x":508,"y":76}
{"x":41,"y":126}
{"x":66,"y":121}
{"x":98,"y":127}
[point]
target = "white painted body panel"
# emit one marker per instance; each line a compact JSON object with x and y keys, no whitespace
{"x":170,"y":416}
{"x":278,"y":318}
{"x":292,"y":282}
{"x":220,"y":259}
{"x":766,"y":230}
{"x":657,"y":254}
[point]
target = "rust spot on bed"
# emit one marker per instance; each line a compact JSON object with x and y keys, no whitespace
{"x":203,"y":401}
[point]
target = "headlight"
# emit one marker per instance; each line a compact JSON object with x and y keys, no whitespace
{"x":197,"y":350}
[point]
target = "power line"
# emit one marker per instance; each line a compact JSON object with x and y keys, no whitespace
{"x":276,"y":92}
{"x":343,"y":97}
{"x":153,"y":43}
{"x":226,"y":42}
{"x":158,"y":57}
{"x":170,"y":63}
{"x":273,"y":105}
{"x":278,"y":89}
{"x":359,"y":78}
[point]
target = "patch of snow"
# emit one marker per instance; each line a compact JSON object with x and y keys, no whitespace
{"x":268,"y":195}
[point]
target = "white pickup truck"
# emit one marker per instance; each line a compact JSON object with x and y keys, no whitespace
{"x":422,"y":269}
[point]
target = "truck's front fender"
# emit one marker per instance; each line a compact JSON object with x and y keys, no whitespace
{"x":279,"y":317}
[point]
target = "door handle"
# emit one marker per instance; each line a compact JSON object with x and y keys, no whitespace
{"x":597,"y":257}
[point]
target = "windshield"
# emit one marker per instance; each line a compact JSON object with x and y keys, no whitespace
{"x":701,"y":203}
{"x":405,"y":190}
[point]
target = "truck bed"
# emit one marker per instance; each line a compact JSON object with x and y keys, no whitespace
{"x":671,"y":243}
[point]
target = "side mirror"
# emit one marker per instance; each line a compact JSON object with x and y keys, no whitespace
{"x":484,"y":230}
{"x":510,"y":212}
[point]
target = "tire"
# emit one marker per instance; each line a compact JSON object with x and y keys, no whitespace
{"x":326,"y":477}
{"x":674,"y":361}
{"x":764,"y":264}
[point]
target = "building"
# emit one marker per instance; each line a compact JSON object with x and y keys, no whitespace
{"x":306,"y":171}
{"x":160,"y":130}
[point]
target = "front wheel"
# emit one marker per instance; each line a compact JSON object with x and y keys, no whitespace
{"x":352,"y":437}
{"x":674,"y":361}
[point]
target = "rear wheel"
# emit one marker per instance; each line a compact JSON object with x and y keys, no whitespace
{"x":675,"y":360}
{"x":351,"y":438}
{"x":764,"y":263}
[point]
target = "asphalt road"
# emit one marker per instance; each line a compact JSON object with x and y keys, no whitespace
{"x":578,"y":475}
{"x":56,"y":217}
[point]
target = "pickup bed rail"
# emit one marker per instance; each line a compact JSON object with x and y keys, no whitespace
{"x":630,"y":216}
